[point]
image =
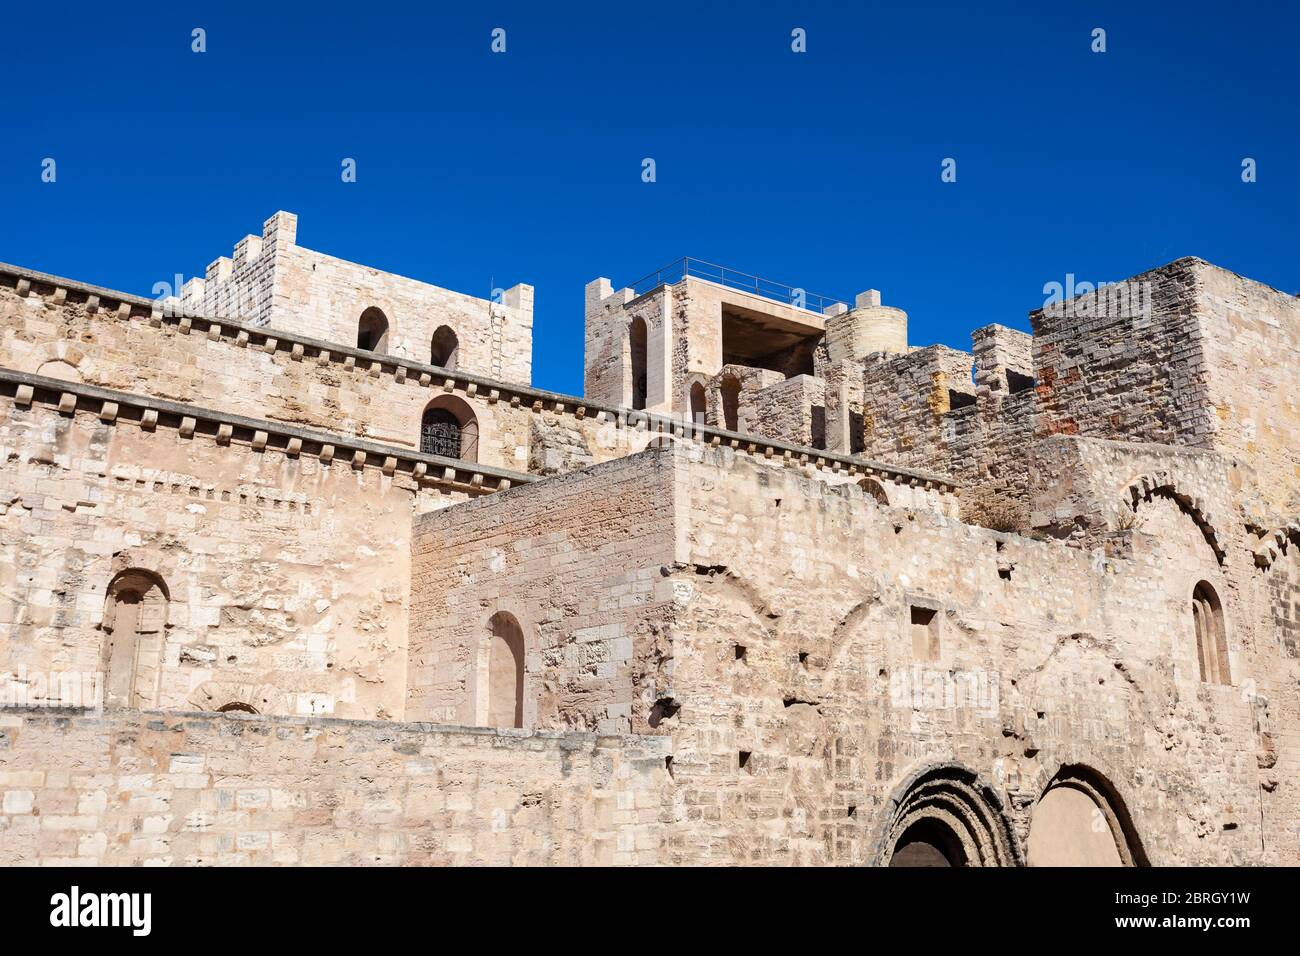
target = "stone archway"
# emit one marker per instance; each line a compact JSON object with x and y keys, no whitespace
{"x":945,"y":815}
{"x":1081,"y":820}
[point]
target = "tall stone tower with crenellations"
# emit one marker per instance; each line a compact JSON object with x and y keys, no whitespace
{"x":297,"y":567}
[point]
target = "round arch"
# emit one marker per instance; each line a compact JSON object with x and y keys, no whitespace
{"x":134,"y":624}
{"x":1080,"y":819}
{"x":1161,"y":484}
{"x":444,"y":348}
{"x":945,"y":815}
{"x":372,"y":331}
{"x":449,"y":427}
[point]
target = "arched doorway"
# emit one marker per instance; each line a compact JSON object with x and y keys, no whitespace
{"x":372,"y":331}
{"x":1080,"y":820}
{"x":135,"y":622}
{"x":928,"y":842}
{"x":444,"y":350}
{"x":637,"y":351}
{"x":449,"y":428}
{"x":947,"y":816}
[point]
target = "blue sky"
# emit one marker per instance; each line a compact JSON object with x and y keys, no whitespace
{"x":821,"y":170}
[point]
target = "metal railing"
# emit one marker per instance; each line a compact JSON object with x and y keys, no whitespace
{"x":778,"y":291}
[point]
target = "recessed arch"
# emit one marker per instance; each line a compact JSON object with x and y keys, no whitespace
{"x":237,"y":707}
{"x":372,"y":331}
{"x":1161,"y":484}
{"x":699,"y":404}
{"x":449,"y":427}
{"x":1080,"y":819}
{"x":1211,"y":635}
{"x":444,"y":348}
{"x":500,"y":673}
{"x":945,"y":815}
{"x":638,"y":351}
{"x":729,"y":391}
{"x":876,"y":490}
{"x":63,"y":371}
{"x":135,"y":623}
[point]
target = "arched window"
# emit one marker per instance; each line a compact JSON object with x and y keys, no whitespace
{"x":1211,"y":642}
{"x":135,"y":622}
{"x":699,"y":404}
{"x":730,"y":389}
{"x":505,"y":671}
{"x":372,"y":331}
{"x":636,"y":335}
{"x":448,"y":428}
{"x":445,"y":348}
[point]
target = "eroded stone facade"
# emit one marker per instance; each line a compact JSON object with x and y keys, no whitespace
{"x":275,"y":589}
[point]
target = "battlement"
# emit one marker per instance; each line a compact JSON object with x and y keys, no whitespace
{"x":270,"y":280}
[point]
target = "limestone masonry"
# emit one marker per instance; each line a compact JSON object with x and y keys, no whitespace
{"x":296,"y":567}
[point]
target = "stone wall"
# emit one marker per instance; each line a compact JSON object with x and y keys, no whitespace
{"x":828,"y":652}
{"x":578,"y":566}
{"x":274,"y":281}
{"x":133,"y":788}
{"x":286,"y":576}
{"x":266,"y":374}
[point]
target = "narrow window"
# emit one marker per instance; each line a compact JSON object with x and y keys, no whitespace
{"x":1211,"y":641}
{"x":372,"y":331}
{"x":636,"y":334}
{"x":699,"y":404}
{"x":730,"y":389}
{"x":445,"y":349}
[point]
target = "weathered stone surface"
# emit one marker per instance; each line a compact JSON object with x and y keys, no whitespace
{"x":1084,"y":647}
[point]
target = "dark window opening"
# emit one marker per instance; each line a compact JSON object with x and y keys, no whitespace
{"x":959,"y":400}
{"x":819,"y":427}
{"x":730,"y":389}
{"x":928,"y":843}
{"x":1018,"y":382}
{"x":444,"y":350}
{"x":637,"y":346}
{"x":372,"y":331}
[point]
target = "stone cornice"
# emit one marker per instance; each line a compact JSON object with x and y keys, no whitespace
{"x":300,"y":348}
{"x":190,"y":421}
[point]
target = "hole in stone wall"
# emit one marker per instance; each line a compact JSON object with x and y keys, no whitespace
{"x":740,"y":652}
{"x":665,"y":709}
{"x":744,"y":759}
{"x":1018,"y":382}
{"x":925,"y":633}
{"x":959,"y":400}
{"x":1004,"y":574}
{"x":803,"y":658}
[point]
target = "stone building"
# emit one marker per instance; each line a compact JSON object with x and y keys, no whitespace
{"x":290,"y":575}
